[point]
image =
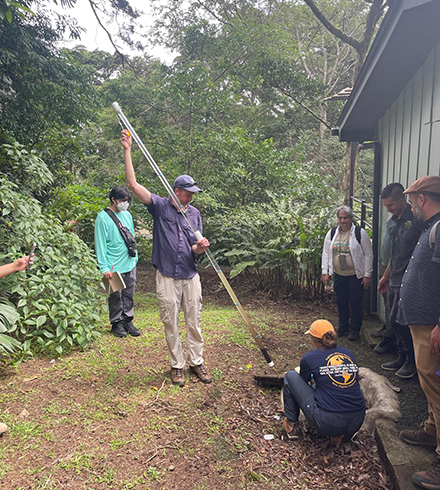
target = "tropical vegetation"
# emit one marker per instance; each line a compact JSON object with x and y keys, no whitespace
{"x":241,"y":108}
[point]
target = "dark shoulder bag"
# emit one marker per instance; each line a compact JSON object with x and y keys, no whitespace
{"x":129,"y":239}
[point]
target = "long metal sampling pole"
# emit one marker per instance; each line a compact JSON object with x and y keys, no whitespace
{"x":126,"y":124}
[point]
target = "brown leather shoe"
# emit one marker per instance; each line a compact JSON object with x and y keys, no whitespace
{"x":418,"y":438}
{"x":177,"y":376}
{"x":429,"y":478}
{"x":201,"y":373}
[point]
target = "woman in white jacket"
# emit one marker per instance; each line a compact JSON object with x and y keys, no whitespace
{"x":348,"y":257}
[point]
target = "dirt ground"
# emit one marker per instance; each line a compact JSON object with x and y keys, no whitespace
{"x":109,"y":418}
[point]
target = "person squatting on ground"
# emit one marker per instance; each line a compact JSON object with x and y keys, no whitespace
{"x":113,"y":256}
{"x":335,"y":405}
{"x":403,"y":233}
{"x":419,"y":307}
{"x":19,"y":265}
{"x":175,"y":251}
{"x":348,"y":256}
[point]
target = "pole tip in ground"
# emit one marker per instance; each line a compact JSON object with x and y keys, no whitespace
{"x":271,"y":364}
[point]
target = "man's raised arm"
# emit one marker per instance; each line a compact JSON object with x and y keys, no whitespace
{"x":139,"y":190}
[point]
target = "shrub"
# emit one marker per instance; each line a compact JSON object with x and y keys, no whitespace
{"x":77,"y":207}
{"x":57,"y":300}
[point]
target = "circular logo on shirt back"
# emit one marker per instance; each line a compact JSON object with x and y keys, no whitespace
{"x":340,"y":369}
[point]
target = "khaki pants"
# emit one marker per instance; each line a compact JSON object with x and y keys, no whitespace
{"x":173,"y":294}
{"x":428,"y":363}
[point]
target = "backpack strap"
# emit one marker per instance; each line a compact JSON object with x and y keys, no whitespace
{"x":126,"y":234}
{"x":357,"y":233}
{"x":432,"y":234}
{"x":332,"y":232}
{"x":113,"y":217}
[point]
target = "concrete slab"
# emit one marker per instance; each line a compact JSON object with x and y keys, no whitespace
{"x":368,"y":327}
{"x":401,"y":460}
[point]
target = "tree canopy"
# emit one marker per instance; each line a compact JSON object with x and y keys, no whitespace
{"x":240,"y":109}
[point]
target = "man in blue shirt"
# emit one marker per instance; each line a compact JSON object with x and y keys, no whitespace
{"x":113,"y":256}
{"x":175,"y":250}
{"x":419,"y":307}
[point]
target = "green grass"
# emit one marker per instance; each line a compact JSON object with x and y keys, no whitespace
{"x":104,"y":413}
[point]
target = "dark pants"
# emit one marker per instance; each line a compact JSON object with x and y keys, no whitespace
{"x":298,"y":395}
{"x":388,"y":332}
{"x":349,"y":292}
{"x":120,"y":303}
{"x":404,"y":339}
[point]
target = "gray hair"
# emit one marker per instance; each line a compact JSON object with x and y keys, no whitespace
{"x":346,"y":209}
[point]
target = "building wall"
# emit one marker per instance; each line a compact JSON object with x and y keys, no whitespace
{"x":409,"y":132}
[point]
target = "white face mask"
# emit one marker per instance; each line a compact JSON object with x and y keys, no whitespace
{"x":122,"y":206}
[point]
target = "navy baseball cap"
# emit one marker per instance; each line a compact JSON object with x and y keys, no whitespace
{"x":186,"y":182}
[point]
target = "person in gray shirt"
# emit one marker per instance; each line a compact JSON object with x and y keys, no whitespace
{"x":403,"y":233}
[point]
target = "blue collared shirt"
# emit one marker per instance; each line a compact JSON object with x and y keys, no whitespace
{"x":173,"y":238}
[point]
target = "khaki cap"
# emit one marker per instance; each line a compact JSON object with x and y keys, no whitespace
{"x":429,"y":183}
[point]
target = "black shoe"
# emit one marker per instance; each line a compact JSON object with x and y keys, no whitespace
{"x":408,"y":370}
{"x":353,"y":335}
{"x":118,"y":329}
{"x":385,"y":345}
{"x":131,"y":329}
{"x":340,"y":332}
{"x":393,"y":365}
{"x":378,"y":334}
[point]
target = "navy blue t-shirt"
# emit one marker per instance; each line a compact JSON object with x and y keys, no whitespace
{"x":336,"y":376}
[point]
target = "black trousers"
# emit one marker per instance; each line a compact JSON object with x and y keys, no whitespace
{"x":121,"y":303}
{"x":404,"y":339}
{"x":349,"y":292}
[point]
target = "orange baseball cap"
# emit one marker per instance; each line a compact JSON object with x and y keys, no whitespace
{"x":319,"y":327}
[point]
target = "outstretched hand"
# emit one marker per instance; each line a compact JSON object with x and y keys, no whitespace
{"x":126,"y":139}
